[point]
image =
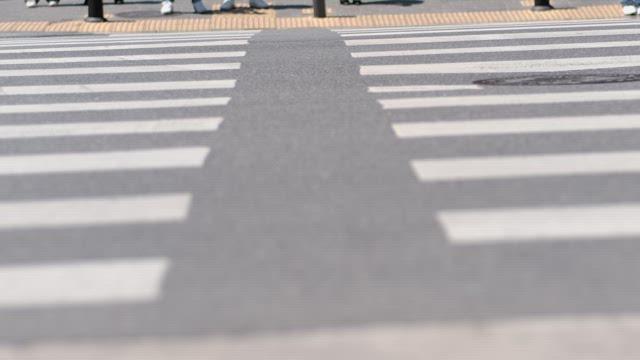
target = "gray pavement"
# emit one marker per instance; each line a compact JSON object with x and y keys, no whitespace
{"x":307,"y":214}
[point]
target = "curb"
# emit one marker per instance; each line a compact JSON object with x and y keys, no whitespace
{"x":268,"y":20}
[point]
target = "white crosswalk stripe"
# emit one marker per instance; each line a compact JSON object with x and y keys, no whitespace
{"x":94,"y":211}
{"x":117,"y":87}
{"x":501,"y":167}
{"x":429,"y":129}
{"x":112,"y":41}
{"x":496,"y":49}
{"x":112,"y":105}
{"x":84,"y":283}
{"x":129,"y":36}
{"x":508,"y":25}
{"x":29,"y":91}
{"x":109,"y":128}
{"x":416,"y":31}
{"x":53,"y":163}
{"x":519,"y":66}
{"x":161,"y":45}
{"x":120,"y":58}
{"x":493,"y":100}
{"x":119,"y":69}
{"x":494,"y":223}
{"x":421,"y":88}
{"x":492,"y":37}
{"x":545,"y":223}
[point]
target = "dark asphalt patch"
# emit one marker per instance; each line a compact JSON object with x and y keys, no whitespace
{"x":567,"y":79}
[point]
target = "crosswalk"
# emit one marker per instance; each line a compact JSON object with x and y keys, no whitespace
{"x":406,"y":70}
{"x":77,"y":90}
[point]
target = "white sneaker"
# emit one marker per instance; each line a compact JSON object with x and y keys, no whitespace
{"x":167,"y":8}
{"x":258,"y":4}
{"x":629,"y":10}
{"x":227,"y":5}
{"x":52,"y":3}
{"x":200,"y":8}
{"x":31,"y":3}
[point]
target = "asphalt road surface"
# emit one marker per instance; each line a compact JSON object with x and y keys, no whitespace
{"x":323,"y":194}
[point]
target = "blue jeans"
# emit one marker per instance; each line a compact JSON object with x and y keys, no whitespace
{"x":630,"y":2}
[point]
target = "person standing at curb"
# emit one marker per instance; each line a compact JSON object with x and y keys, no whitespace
{"x":228,"y":5}
{"x":630,"y":7}
{"x":34,"y":3}
{"x":198,"y":6}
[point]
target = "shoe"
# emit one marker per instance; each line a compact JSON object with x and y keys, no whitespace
{"x":629,"y":10}
{"x":52,"y":3}
{"x":258,"y":4}
{"x":228,"y":5}
{"x":167,"y":8}
{"x":31,"y":3}
{"x":200,"y":8}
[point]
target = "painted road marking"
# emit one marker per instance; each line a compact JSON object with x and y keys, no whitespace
{"x":113,"y":105}
{"x":514,"y":99}
{"x":425,"y":30}
{"x":119,"y":69}
{"x":64,"y":163}
{"x":426,"y":129}
{"x":420,"y":88}
{"x":495,"y":49}
{"x":162,"y":45}
{"x":98,"y":211}
{"x":148,"y":57}
{"x":514,"y":25}
{"x":505,"y":167}
{"x":535,"y":337}
{"x":491,"y":37}
{"x":545,"y":223}
{"x":110,"y":128}
{"x":110,"y":41}
{"x":117,"y":87}
{"x":221,"y":32}
{"x":97,"y":282}
{"x":129,"y":36}
{"x":518,"y":66}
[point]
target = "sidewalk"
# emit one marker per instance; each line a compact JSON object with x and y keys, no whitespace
{"x":144,"y":16}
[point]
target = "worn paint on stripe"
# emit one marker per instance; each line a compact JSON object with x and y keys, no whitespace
{"x":88,"y":282}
